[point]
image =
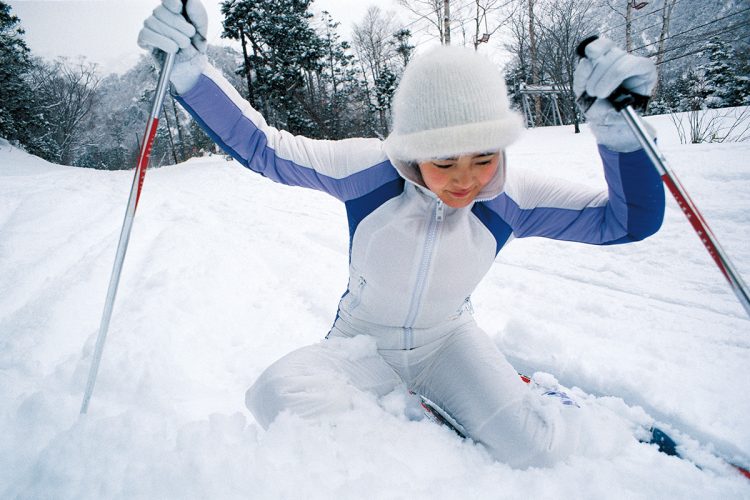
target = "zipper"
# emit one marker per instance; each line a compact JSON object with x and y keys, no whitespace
{"x":424,"y":266}
{"x":440,"y":211}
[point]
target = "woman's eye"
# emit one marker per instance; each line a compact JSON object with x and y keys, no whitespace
{"x":482,"y":163}
{"x":443,"y":165}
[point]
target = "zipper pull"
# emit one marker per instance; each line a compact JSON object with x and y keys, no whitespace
{"x":439,"y":211}
{"x":467,"y":304}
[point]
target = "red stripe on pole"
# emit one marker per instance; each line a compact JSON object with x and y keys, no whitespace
{"x":697,"y":221}
{"x":145,"y":156}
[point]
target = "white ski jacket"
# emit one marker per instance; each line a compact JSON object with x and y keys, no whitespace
{"x":414,"y":262}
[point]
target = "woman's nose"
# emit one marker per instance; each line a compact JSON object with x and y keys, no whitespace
{"x":462,"y":177}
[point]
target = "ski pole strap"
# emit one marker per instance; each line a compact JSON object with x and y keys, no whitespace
{"x":620,"y":99}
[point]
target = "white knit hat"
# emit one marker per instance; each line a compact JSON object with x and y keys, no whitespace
{"x":450,"y":101}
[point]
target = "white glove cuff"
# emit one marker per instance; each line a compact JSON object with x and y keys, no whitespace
{"x":185,"y":74}
{"x":612,"y":131}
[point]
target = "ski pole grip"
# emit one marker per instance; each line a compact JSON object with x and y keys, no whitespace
{"x":620,"y":98}
{"x":581,"y":49}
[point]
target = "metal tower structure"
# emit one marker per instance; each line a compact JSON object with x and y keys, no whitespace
{"x":550,"y":110}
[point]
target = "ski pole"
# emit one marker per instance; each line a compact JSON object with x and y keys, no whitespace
{"x":695,"y":218}
{"x":122,"y":246}
{"x":623,"y":100}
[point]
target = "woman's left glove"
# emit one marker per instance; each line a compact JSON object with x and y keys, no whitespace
{"x":167,"y":29}
{"x":605,"y":68}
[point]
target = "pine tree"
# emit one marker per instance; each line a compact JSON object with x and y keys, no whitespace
{"x":385,"y":88}
{"x":15,"y":108}
{"x":693,"y":89}
{"x":403,"y":48}
{"x":19,"y":119}
{"x":743,"y":76}
{"x":337,"y":94}
{"x":280,"y":47}
{"x":720,"y":72}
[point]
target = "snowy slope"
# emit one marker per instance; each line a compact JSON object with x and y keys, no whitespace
{"x":226,"y":272}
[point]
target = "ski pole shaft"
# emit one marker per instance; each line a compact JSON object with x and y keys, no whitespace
{"x":122,"y":246}
{"x":695,"y":218}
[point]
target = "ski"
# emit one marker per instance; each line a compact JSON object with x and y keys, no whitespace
{"x":435,"y":414}
{"x":659,"y":437}
{"x":656,"y":435}
{"x":667,"y":445}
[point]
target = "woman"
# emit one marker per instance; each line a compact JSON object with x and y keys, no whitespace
{"x":429,"y":208}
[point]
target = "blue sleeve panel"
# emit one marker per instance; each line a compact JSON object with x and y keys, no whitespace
{"x":643,"y":192}
{"x":324,"y":165}
{"x":492,"y":221}
{"x":632,"y":209}
{"x":359,"y":208}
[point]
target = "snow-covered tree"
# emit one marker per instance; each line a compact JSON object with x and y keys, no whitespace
{"x":403,"y":46}
{"x":114,"y":130}
{"x":66,"y":91}
{"x":229,"y":62}
{"x":20,"y":119}
{"x":377,"y":49}
{"x":14,"y":61}
{"x":385,"y":88}
{"x":724,"y":88}
{"x":281,"y":46}
{"x":334,"y":86}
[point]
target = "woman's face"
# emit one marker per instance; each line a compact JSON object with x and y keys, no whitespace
{"x":458,"y":181}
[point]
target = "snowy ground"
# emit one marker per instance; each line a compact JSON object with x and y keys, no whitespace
{"x":226,"y":272}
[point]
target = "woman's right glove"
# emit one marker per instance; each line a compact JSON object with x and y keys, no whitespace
{"x":171,"y":31}
{"x":605,"y":68}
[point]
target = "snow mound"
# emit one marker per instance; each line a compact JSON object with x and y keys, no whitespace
{"x":226,"y":272}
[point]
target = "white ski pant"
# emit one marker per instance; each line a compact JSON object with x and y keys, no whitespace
{"x":455,"y":365}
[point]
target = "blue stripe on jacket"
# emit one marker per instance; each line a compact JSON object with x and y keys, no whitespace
{"x":634,"y":208}
{"x":236,"y":134}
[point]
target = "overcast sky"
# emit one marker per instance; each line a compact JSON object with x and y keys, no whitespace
{"x":105,"y":31}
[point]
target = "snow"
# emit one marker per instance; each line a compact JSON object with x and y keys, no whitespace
{"x":226,"y":272}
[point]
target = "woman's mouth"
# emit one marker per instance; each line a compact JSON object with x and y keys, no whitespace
{"x":461,"y":194}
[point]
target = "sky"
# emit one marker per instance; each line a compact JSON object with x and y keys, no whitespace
{"x":105,"y":31}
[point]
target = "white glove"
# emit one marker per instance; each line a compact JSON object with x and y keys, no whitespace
{"x":604,"y":69}
{"x":166,"y":29}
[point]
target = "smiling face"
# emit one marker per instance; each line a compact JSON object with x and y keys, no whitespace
{"x":458,"y":181}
